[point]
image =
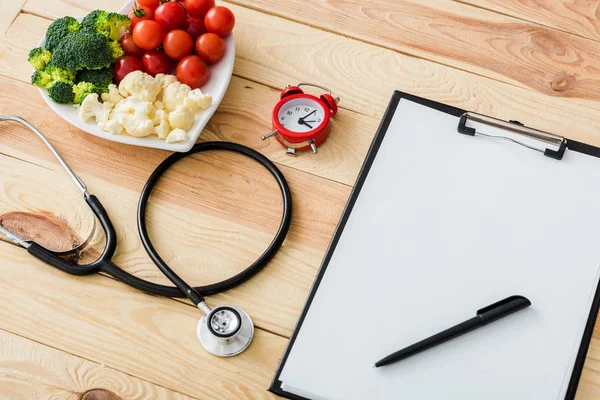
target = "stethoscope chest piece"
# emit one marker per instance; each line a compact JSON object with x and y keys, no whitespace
{"x":225,"y":331}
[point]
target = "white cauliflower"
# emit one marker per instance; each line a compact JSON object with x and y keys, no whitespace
{"x":160,"y":115}
{"x":174,"y":95}
{"x":113,"y":96}
{"x":91,"y":108}
{"x":159,"y":105}
{"x":133,"y":115}
{"x":114,"y":126}
{"x":162,"y":129}
{"x":165,"y":80}
{"x":181,"y":118}
{"x":140,"y":85}
{"x":197,"y":101}
{"x":177,"y":135}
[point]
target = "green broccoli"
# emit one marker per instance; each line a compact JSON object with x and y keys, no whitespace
{"x":60,"y":29}
{"x":81,"y":90}
{"x":61,"y":92}
{"x":116,"y":51}
{"x":39,"y":58}
{"x":59,"y":74}
{"x":100,"y":78}
{"x":42,"y":79}
{"x":110,"y":25}
{"x":82,"y":50}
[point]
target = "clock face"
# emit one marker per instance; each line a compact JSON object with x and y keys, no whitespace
{"x":301,"y":115}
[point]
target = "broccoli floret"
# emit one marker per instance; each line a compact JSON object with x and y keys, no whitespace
{"x":81,"y":90}
{"x":110,"y":25}
{"x":60,"y":29}
{"x":101,"y":78}
{"x":59,"y":74}
{"x":116,"y":51}
{"x":39,"y":58}
{"x":61,"y":92}
{"x":42,"y":79}
{"x":82,"y":50}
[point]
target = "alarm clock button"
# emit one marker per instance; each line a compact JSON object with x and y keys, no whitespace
{"x":291,"y":90}
{"x":331,"y":103}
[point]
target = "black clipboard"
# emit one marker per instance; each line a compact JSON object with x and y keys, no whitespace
{"x":569,"y":145}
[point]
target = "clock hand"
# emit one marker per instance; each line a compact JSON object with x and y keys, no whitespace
{"x":305,"y":123}
{"x":314,"y":111}
{"x":311,"y":121}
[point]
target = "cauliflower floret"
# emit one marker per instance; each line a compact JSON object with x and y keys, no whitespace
{"x":91,"y":108}
{"x":159,"y":105}
{"x":162,"y":129}
{"x":103,"y":114}
{"x":140,"y":85}
{"x":165,"y":80}
{"x":174,"y":95}
{"x":133,"y":115}
{"x":181,"y":118}
{"x":197,"y":101}
{"x":114,"y":126}
{"x":160,"y":115}
{"x":113,"y":96}
{"x":177,"y":135}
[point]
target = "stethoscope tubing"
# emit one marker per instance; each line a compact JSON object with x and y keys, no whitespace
{"x":181,"y":288}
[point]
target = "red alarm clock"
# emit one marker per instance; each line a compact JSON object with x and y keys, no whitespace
{"x":301,"y":121}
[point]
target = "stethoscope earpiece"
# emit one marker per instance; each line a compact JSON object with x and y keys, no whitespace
{"x":225,"y":331}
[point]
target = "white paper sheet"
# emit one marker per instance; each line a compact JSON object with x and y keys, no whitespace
{"x":445,"y":225}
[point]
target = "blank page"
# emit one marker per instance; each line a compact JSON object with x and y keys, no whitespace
{"x":444,"y":225}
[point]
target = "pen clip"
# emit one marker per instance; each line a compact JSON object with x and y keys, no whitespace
{"x":503,"y":302}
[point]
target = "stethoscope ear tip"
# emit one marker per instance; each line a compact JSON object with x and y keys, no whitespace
{"x":225,"y":331}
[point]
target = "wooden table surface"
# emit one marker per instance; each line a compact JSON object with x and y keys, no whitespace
{"x":537,"y":61}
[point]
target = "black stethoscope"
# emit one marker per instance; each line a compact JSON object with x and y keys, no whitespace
{"x":224,"y":331}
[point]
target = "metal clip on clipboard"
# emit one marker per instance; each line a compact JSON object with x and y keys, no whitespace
{"x":531,"y":135}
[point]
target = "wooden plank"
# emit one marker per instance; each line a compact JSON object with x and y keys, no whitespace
{"x":28,"y":370}
{"x":578,"y":17}
{"x":373,"y":72}
{"x":108,"y":323}
{"x":476,"y":40}
{"x":10,"y":10}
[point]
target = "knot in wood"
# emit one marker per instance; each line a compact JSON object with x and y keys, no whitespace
{"x":99,"y":394}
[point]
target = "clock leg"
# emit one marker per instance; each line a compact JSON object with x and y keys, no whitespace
{"x":313,"y":146}
{"x":291,"y":152}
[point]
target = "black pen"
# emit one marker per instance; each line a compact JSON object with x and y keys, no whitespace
{"x":484,"y":316}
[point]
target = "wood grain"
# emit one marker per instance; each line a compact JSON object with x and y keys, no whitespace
{"x":580,"y":17}
{"x":29,"y":370}
{"x":10,"y":10}
{"x":475,"y":40}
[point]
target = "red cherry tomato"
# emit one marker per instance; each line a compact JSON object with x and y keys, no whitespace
{"x":210,"y":48}
{"x":148,"y":35}
{"x":125,"y":65}
{"x":129,"y":46}
{"x":219,"y":20}
{"x":194,"y":26}
{"x":139,"y":14}
{"x":156,"y":62}
{"x":178,"y":44}
{"x":199,"y":7}
{"x":170,"y":15}
{"x":193,"y":72}
{"x":153,"y":4}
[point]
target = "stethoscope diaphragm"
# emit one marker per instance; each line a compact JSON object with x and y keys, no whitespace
{"x":225,"y":331}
